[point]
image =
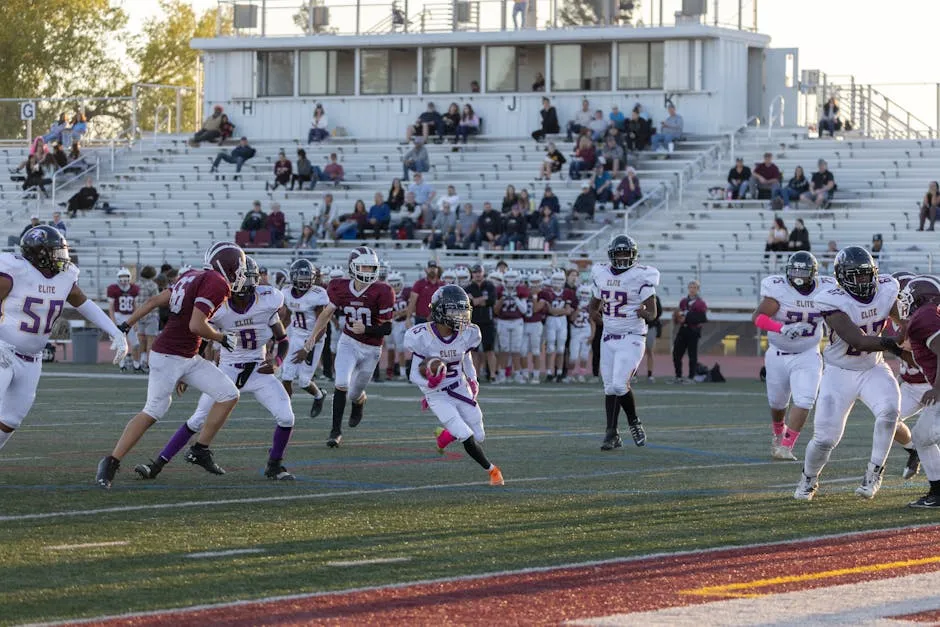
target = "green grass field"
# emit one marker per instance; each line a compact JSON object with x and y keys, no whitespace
{"x":704,"y":479}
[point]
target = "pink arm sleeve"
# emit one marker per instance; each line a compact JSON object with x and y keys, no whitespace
{"x":767,"y":324}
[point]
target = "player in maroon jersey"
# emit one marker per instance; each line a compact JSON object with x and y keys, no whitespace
{"x":123,"y":297}
{"x":510,"y":308}
{"x":394,"y":343}
{"x":367,"y":305}
{"x":192,"y":300}
{"x":562,"y":303}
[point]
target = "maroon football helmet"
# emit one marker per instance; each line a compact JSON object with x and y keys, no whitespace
{"x":919,"y":290}
{"x":903,"y":277}
{"x":228,"y":259}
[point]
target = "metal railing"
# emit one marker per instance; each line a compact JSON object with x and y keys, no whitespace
{"x":771,"y":116}
{"x":69,"y":175}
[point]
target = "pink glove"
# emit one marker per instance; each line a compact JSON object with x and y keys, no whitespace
{"x":424,"y":404}
{"x":474,"y":387}
{"x":435,"y":379}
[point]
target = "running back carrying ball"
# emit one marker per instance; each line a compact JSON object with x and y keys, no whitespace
{"x":431,"y":366}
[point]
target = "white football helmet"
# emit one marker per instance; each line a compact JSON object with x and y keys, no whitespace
{"x":584,"y":294}
{"x":337,"y":273}
{"x":536,"y":280}
{"x":463,"y":277}
{"x":384,"y":269}
{"x":511,"y":278}
{"x":449,"y":277}
{"x":363,"y":265}
{"x":495,"y":277}
{"x":124,"y":279}
{"x":558,"y":280}
{"x":396,"y":281}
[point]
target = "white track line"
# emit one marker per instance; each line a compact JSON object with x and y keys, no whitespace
{"x":378,"y":560}
{"x":205,"y":554}
{"x":503,"y":573}
{"x":87,"y":545}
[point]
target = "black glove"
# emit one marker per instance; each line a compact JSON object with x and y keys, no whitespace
{"x":124,"y":328}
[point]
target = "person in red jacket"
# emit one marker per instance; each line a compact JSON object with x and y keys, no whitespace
{"x":689,"y":317}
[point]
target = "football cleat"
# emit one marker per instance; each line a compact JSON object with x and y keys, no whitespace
{"x":781,"y":452}
{"x":275,"y":470}
{"x":437,"y":434}
{"x":151,"y":470}
{"x":355,"y":414}
{"x":638,"y":433}
{"x":519,"y":378}
{"x":203,"y":457}
{"x":335,"y":439}
{"x":611,"y":441}
{"x":871,"y":482}
{"x":912,"y":467}
{"x":536,"y":379}
{"x":139,"y":370}
{"x":928,"y":501}
{"x":806,"y":488}
{"x":651,"y":379}
{"x":496,"y":477}
{"x":107,"y":469}
{"x":317,"y":406}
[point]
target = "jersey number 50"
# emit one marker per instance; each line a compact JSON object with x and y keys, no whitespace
{"x":32,"y":307}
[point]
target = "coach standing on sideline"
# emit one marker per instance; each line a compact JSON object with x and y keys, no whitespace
{"x":690,"y":317}
{"x":483,"y":296}
{"x":419,"y":303}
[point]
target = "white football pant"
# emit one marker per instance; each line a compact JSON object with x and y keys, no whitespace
{"x":619,"y":360}
{"x":797,"y":374}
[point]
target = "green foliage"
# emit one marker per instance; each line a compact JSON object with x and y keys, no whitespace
{"x":591,"y":12}
{"x":302,"y":19}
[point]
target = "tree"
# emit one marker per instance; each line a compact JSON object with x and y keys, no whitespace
{"x":302,"y":19}
{"x":592,"y":12}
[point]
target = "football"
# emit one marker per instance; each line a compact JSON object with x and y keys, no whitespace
{"x":430,"y":366}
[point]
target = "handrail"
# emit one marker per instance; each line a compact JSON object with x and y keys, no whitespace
{"x":743,"y":127}
{"x":156,"y":121}
{"x":770,"y":114}
{"x":96,"y":168}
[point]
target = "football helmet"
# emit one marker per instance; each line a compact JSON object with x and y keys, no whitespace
{"x":920,"y":290}
{"x":856,"y":272}
{"x":463,"y":276}
{"x":45,"y":249}
{"x":396,"y":281}
{"x":450,"y":306}
{"x":449,"y":277}
{"x":536,"y":280}
{"x":252,"y":274}
{"x":801,"y":271}
{"x":511,"y":278}
{"x":496,"y":277}
{"x":622,"y":252}
{"x":584,"y":294}
{"x":228,"y":259}
{"x":279,"y":279}
{"x":337,"y":273}
{"x":303,"y":275}
{"x":903,"y":277}
{"x":124,"y":279}
{"x":363,"y":265}
{"x":558,"y":280}
{"x":384,"y":269}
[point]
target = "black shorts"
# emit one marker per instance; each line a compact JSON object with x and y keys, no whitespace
{"x":488,"y":331}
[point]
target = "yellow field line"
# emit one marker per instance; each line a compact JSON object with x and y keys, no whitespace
{"x":731,"y":589}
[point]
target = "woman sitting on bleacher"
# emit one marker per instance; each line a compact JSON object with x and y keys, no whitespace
{"x":451,"y":121}
{"x":226,"y":128}
{"x":469,"y":124}
{"x":34,"y":174}
{"x":319,"y":129}
{"x":797,"y":186}
{"x":928,"y":208}
{"x":552,"y":162}
{"x":282,"y":172}
{"x":584,"y":158}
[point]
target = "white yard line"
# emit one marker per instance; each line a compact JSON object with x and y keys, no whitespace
{"x":207,"y":554}
{"x":87,"y":545}
{"x":378,"y":560}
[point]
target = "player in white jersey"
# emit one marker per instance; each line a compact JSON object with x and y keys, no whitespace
{"x":623,"y":299}
{"x":303,"y":301}
{"x":34,"y":288}
{"x":447,"y":341}
{"x":582,"y":330}
{"x":789,"y":314}
{"x":252,"y":314}
{"x":394,"y":343}
{"x":856,"y":312}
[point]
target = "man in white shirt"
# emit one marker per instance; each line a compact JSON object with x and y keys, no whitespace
{"x":581,"y":120}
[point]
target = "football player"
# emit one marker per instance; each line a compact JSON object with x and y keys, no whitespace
{"x":192,"y":301}
{"x":368,"y":305}
{"x":339,"y":320}
{"x":303,"y":302}
{"x":533,"y":329}
{"x":510,"y":309}
{"x":623,"y":299}
{"x":34,"y":287}
{"x":789,"y":314}
{"x":449,"y":277}
{"x":463,"y":277}
{"x":280,"y":279}
{"x":562,"y":304}
{"x":451,"y":392}
{"x":582,"y":331}
{"x":395,"y":341}
{"x":855,"y":312}
{"x":123,"y":298}
{"x":149,"y":325}
{"x":252,"y":313}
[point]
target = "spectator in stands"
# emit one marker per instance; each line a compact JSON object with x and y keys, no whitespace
{"x":689,"y":318}
{"x":83,"y":200}
{"x":799,"y":237}
{"x":396,"y":195}
{"x":33,"y":222}
{"x":552,"y":162}
{"x":57,"y":222}
{"x":616,"y":119}
{"x":451,"y":121}
{"x":739,"y":178}
{"x":408,"y":217}
{"x":518,"y":9}
{"x":598,"y":126}
{"x":254,"y":220}
{"x":821,"y":186}
{"x":636,"y":131}
{"x":226,"y":129}
{"x":878,"y":252}
{"x":613,"y":155}
{"x":777,"y":238}
{"x":581,"y":120}
{"x":424,"y":196}
{"x":416,"y":159}
{"x":474,"y":87}
{"x":550,"y":200}
{"x":603,"y":184}
{"x":78,"y":126}
{"x":277,"y":226}
{"x":796,"y":187}
{"x":353,"y":223}
{"x":333,"y":172}
{"x":282,"y":172}
{"x":304,"y":170}
{"x":766,"y":176}
{"x":55,"y":130}
{"x":928,"y":208}
{"x":510,"y":198}
{"x":307,"y":239}
{"x":76,"y":161}
{"x":584,"y":204}
{"x":380,"y":217}
{"x":39,"y":149}
{"x":319,"y":125}
{"x":469,"y":124}
{"x":452,"y":197}
{"x":490,"y":225}
{"x":211,"y":128}
{"x":443,"y":228}
{"x":670,"y":131}
{"x":829,"y":122}
{"x":515,"y":231}
{"x":529,"y":210}
{"x":584,"y":158}
{"x":468,"y":233}
{"x":539,"y":83}
{"x":34,"y":176}
{"x":428,"y":121}
{"x":328,"y":219}
{"x":239,"y":155}
{"x":628,"y":192}
{"x":59,"y":156}
{"x":832,"y":249}
{"x":549,"y":121}
{"x":549,"y":229}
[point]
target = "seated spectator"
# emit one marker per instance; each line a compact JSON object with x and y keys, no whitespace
{"x":416,"y":160}
{"x":84,"y":199}
{"x":33,"y":222}
{"x":799,"y":237}
{"x":539,"y":83}
{"x":670,"y":131}
{"x":515,"y":230}
{"x":319,"y":126}
{"x":628,"y":191}
{"x":468,"y":232}
{"x":451,"y":121}
{"x":796,"y":187}
{"x":328,"y":219}
{"x":211,"y":128}
{"x":254,"y":220}
{"x":510,"y":198}
{"x":766,"y":176}
{"x":451,"y":197}
{"x":39,"y":149}
{"x":613,"y":155}
{"x":282,"y":172}
{"x":427,"y":122}
{"x":490,"y":226}
{"x":928,"y":208}
{"x":34,"y":177}
{"x":239,"y":155}
{"x":581,"y":120}
{"x":226,"y":129}
{"x":529,"y":210}
{"x":598,"y":126}
{"x":739,"y":178}
{"x":277,"y":226}
{"x":616,"y":119}
{"x":304,"y":170}
{"x":778,"y":238}
{"x":552,"y":162}
{"x":549,"y":229}
{"x":469,"y":124}
{"x":603,"y":184}
{"x":550,"y":200}
{"x":353,"y":224}
{"x":584,"y":158}
{"x":55,"y":130}
{"x":637,"y":131}
{"x":380,"y":216}
{"x":549,"y":121}
{"x":832,"y":249}
{"x":57,"y":222}
{"x":333,"y":172}
{"x":878,"y":252}
{"x":443,"y":228}
{"x":829,"y":122}
{"x":424,"y":195}
{"x":584,"y":204}
{"x":59,"y":157}
{"x":821,"y":186}
{"x":307,"y":239}
{"x":474,"y":87}
{"x":407,"y":219}
{"x":76,"y":162}
{"x":396,"y":195}
{"x":78,"y":126}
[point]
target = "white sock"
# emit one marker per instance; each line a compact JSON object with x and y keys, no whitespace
{"x":136,"y":364}
{"x":4,"y":436}
{"x":319,"y":395}
{"x":525,"y":373}
{"x":882,"y":437}
{"x":144,"y":358}
{"x":815,"y":458}
{"x":909,"y":446}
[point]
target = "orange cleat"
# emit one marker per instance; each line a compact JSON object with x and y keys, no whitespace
{"x":496,"y":477}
